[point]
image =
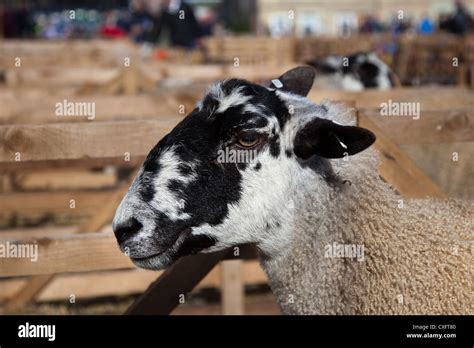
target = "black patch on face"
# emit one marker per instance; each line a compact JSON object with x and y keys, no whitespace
{"x":241,"y":165}
{"x":147,"y":188}
{"x":288,"y":153}
{"x":152,"y":164}
{"x":368,"y":73}
{"x":184,"y":169}
{"x":351,"y":65}
{"x":364,"y":71}
{"x":151,"y":168}
{"x":257,"y":166}
{"x":275,"y":146}
{"x":176,"y":186}
{"x":194,"y":243}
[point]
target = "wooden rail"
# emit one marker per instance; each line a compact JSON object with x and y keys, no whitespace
{"x":432,"y":127}
{"x":38,"y":108}
{"x":78,"y":252}
{"x":122,"y":282}
{"x":72,"y":253}
{"x":30,"y":203}
{"x":75,"y":141}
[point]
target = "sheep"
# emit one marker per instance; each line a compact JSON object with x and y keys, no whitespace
{"x":332,"y":236}
{"x":357,"y":72}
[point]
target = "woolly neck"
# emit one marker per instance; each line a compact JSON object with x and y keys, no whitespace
{"x":325,"y":216}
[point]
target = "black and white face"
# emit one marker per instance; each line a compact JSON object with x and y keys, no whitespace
{"x":223,"y":175}
{"x":356,"y":72}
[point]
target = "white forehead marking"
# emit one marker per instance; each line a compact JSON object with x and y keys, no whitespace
{"x":253,"y":109}
{"x":259,"y":109}
{"x":164,"y":199}
{"x":234,"y":98}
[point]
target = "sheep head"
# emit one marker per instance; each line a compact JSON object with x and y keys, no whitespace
{"x":223,"y":175}
{"x":356,"y":72}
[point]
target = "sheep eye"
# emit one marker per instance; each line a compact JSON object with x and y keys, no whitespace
{"x":248,"y":139}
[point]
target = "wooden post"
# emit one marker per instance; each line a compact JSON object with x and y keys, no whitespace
{"x":471,"y":76}
{"x":232,"y":287}
{"x":462,"y":75}
{"x":130,"y":82}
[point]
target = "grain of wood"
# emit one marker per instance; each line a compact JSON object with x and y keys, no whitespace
{"x":44,"y":202}
{"x":232,"y":287}
{"x":398,"y":169}
{"x":432,"y":127}
{"x":430,"y":98}
{"x":36,"y":232}
{"x":73,"y":253}
{"x":79,"y":141}
{"x":120,"y":282}
{"x":65,"y":179}
{"x":37,"y":107}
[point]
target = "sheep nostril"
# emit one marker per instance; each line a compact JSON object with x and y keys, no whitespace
{"x":127,"y":229}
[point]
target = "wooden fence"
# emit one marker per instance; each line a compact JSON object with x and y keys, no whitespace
{"x":441,"y":58}
{"x":95,"y":251}
{"x":73,"y":172}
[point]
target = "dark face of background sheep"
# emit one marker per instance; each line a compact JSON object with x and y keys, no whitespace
{"x":195,"y":194}
{"x":356,"y":72}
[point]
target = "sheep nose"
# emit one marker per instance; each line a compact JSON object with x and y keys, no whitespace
{"x":126,"y":229}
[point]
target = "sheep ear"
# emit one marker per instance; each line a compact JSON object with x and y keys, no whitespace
{"x":331,"y":140}
{"x":298,"y":80}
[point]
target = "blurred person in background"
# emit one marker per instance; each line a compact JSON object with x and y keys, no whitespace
{"x":426,"y":26}
{"x":140,"y":23}
{"x":208,"y":22}
{"x":460,"y":22}
{"x":16,"y":21}
{"x":370,"y":24}
{"x":400,"y":26}
{"x":113,"y":25}
{"x":177,"y":20}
